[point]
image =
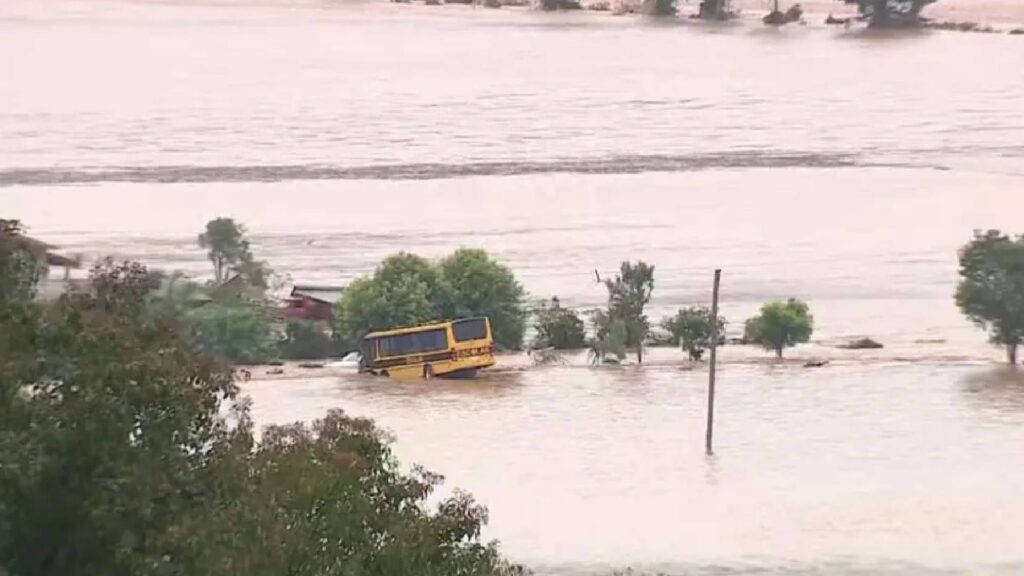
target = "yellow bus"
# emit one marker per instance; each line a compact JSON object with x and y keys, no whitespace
{"x":453,"y":349}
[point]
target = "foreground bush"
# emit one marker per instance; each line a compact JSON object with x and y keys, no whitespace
{"x":116,"y":459}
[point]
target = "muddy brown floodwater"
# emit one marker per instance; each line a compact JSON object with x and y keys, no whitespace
{"x":838,"y":166}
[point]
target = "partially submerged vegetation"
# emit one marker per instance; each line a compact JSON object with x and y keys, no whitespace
{"x":889,"y":13}
{"x":624,"y":325}
{"x":875,"y":13}
{"x":691,"y":329}
{"x":119,"y":455}
{"x":780,"y":325}
{"x":991,"y":288}
{"x":558,"y":327}
{"x":406,"y":289}
{"x":239,"y":322}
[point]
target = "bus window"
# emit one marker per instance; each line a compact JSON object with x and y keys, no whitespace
{"x":414,"y":343}
{"x":472,"y":329}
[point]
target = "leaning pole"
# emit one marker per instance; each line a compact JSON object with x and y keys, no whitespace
{"x":708,"y":436}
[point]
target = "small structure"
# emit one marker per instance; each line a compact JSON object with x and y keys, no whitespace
{"x":308,"y":302}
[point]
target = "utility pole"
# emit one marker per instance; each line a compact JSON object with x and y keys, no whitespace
{"x":711,"y":370}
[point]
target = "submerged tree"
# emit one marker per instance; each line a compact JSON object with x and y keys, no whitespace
{"x":628,"y":294}
{"x":991,"y":288}
{"x":780,"y":325}
{"x":890,"y":12}
{"x":659,"y":7}
{"x":714,"y":10}
{"x":609,"y":341}
{"x":691,"y":329}
{"x":558,"y":327}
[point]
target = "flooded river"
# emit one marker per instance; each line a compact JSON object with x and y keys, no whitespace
{"x":837,"y":166}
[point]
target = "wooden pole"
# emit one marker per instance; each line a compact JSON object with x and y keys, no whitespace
{"x":711,"y":370}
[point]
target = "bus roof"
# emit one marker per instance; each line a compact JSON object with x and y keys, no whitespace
{"x":417,"y":328}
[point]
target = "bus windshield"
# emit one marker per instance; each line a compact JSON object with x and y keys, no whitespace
{"x":471,"y":329}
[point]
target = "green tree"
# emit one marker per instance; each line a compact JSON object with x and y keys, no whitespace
{"x":780,"y":325}
{"x":628,"y":294}
{"x":237,"y":332}
{"x":476,"y":285}
{"x":407,"y":289}
{"x":559,"y":328}
{"x":890,"y":12}
{"x":225,"y":243}
{"x":229,"y":251}
{"x":691,"y":329}
{"x":117,"y":458}
{"x":103,"y":422}
{"x":404,"y":290}
{"x":991,"y":288}
{"x":306,"y":340}
{"x":330,"y":499}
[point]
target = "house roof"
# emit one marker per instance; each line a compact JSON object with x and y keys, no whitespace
{"x":326,"y":294}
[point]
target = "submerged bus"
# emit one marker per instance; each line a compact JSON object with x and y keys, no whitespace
{"x":453,"y":349}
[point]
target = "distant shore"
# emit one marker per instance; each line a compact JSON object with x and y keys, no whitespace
{"x":1000,"y":15}
{"x":1007,"y":12}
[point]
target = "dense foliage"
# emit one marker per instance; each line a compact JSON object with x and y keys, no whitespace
{"x":306,"y":340}
{"x":691,"y":329}
{"x":628,"y":293}
{"x":407,"y":289}
{"x":234,"y":331}
{"x":116,"y":459}
{"x":558,"y":327}
{"x":991,"y":288}
{"x":19,"y":271}
{"x":780,"y":325}
{"x":476,"y":285}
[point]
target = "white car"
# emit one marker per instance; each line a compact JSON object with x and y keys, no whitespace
{"x":351,"y":360}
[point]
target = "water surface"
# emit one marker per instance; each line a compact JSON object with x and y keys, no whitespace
{"x":841,"y":167}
